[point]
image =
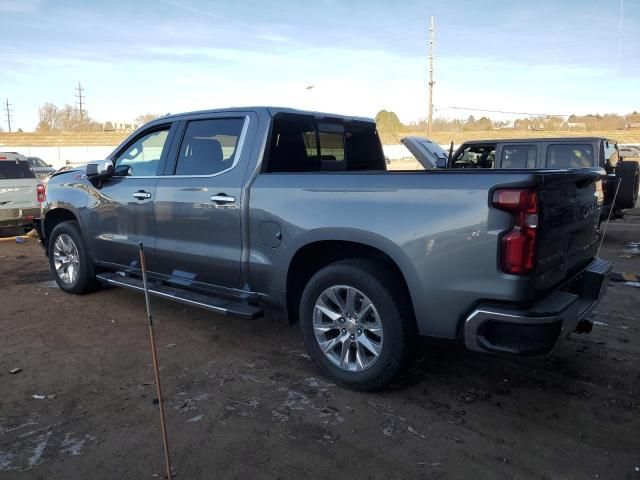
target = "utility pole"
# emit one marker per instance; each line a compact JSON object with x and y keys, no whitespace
{"x":431,"y":81}
{"x":7,"y":108}
{"x":79,"y":96}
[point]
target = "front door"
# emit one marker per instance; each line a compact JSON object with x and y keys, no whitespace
{"x":121,"y":212}
{"x":198,"y":203}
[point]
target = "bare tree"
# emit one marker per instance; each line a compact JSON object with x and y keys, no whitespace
{"x":65,"y":119}
{"x":48,"y":118}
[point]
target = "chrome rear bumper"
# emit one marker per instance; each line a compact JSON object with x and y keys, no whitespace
{"x":18,"y":217}
{"x":536,"y":330}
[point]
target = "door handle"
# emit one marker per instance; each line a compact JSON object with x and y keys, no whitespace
{"x":221,"y":198}
{"x":142,"y":195}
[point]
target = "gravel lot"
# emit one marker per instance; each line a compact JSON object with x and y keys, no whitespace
{"x":245,"y":401}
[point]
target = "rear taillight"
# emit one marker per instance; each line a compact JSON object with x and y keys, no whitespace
{"x":518,"y":246}
{"x":42,"y":194}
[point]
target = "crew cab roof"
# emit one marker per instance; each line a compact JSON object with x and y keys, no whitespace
{"x":537,"y":139}
{"x":271,"y":111}
{"x":12,"y":156}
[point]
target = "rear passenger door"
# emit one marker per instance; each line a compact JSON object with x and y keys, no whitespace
{"x":570,"y":155}
{"x":198,"y":203}
{"x":518,"y":155}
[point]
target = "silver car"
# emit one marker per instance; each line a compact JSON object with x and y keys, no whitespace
{"x":20,"y":193}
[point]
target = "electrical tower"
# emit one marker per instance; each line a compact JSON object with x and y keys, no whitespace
{"x":80,"y":97}
{"x":8,"y":110}
{"x":431,"y":80}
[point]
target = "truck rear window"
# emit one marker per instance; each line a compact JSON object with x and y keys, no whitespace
{"x":570,"y":155}
{"x":10,"y":169}
{"x":301,"y":143}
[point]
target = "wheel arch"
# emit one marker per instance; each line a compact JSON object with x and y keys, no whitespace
{"x":311,"y":257}
{"x":54,"y":217}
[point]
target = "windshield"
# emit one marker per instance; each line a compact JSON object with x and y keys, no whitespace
{"x":36,"y":162}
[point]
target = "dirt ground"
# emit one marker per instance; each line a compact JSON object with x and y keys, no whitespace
{"x":245,"y":401}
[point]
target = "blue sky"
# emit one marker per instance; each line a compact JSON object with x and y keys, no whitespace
{"x":164,"y":56}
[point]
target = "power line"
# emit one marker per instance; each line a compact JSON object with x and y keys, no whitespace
{"x":8,"y":110}
{"x":79,"y":96}
{"x":503,"y":111}
{"x":431,"y":81}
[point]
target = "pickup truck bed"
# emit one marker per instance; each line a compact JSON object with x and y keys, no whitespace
{"x":295,"y":210}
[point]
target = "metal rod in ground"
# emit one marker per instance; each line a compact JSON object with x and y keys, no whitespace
{"x":156,"y":369}
{"x":613,"y":206}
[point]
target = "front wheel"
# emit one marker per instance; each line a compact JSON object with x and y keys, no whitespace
{"x":357,"y":324}
{"x":70,"y":264}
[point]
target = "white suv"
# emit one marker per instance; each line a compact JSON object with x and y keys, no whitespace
{"x":20,"y":192}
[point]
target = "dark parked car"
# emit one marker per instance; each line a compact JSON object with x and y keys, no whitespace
{"x":621,"y":182}
{"x":41,"y":168}
{"x":247,"y":207}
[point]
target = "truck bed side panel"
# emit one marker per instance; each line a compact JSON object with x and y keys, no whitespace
{"x":437,"y":227}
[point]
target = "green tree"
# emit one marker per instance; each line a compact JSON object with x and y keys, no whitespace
{"x":389,"y":122}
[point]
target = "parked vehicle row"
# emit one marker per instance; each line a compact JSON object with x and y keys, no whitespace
{"x":248,"y":207}
{"x":620,"y":185}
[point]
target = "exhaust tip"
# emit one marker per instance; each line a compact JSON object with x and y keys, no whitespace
{"x":584,"y":326}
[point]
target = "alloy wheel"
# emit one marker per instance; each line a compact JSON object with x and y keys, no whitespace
{"x":66,"y":259}
{"x":347,"y":328}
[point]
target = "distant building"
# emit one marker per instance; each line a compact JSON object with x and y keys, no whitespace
{"x":119,"y":127}
{"x":577,"y":125}
{"x":632,"y":125}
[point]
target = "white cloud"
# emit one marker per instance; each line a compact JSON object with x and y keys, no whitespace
{"x":347,"y":80}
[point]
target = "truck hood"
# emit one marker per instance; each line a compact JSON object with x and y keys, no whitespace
{"x":425,"y":151}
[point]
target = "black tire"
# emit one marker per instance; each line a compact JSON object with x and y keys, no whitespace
{"x":628,"y":174}
{"x":395,"y":313}
{"x":85,"y":280}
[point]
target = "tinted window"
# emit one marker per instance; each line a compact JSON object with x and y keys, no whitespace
{"x":476,"y":156}
{"x":10,"y":169}
{"x":332,"y":155}
{"x":610,"y":154}
{"x":567,"y":155}
{"x":209,"y":146}
{"x":300,"y":144}
{"x":519,"y":156}
{"x":143,"y":155}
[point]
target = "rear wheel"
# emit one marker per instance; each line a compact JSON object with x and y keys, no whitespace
{"x":70,"y":265}
{"x":357,"y":324}
{"x":628,"y":174}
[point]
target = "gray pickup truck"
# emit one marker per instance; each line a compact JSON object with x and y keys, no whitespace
{"x":245,"y":208}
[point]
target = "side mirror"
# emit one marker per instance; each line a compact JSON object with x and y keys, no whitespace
{"x":99,"y":170}
{"x":123,"y":171}
{"x":441,"y":162}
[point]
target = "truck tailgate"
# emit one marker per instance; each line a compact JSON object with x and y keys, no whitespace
{"x":569,"y":213}
{"x":16,"y":193}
